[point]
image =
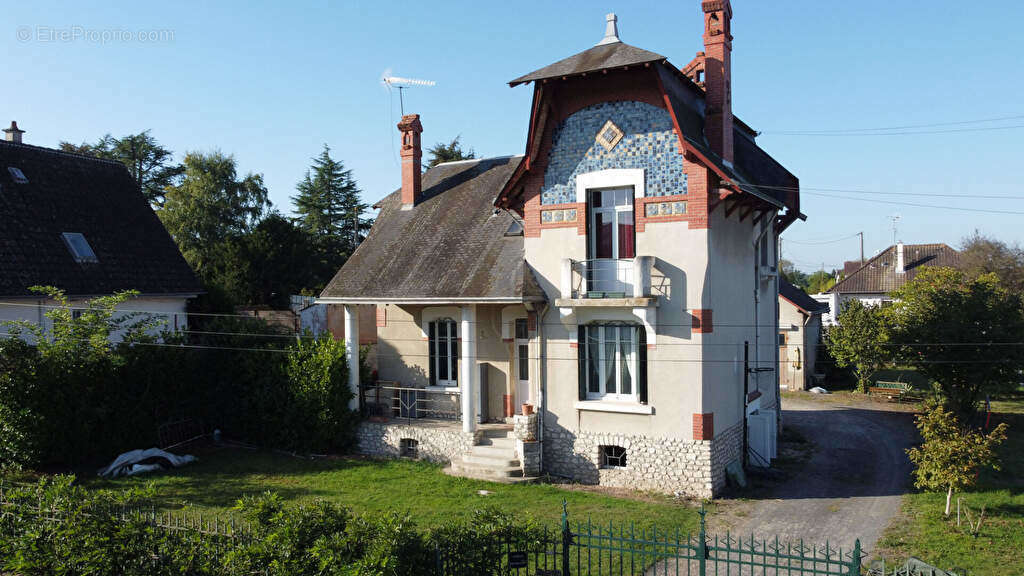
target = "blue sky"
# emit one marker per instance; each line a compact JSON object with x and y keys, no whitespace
{"x":272,"y":82}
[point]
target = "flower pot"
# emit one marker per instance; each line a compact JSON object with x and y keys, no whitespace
{"x":527,"y":409}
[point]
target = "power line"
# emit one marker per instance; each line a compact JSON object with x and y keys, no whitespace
{"x":854,"y":131}
{"x":918,"y":205}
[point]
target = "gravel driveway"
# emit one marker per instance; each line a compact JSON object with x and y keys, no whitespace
{"x":851,"y":486}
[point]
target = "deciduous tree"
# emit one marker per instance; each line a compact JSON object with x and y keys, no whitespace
{"x":962,"y":333}
{"x":859,"y":340}
{"x":952,"y":454}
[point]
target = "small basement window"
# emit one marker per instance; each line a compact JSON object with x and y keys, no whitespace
{"x":18,"y":175}
{"x":409,"y":448}
{"x":613,"y":457}
{"x":79,"y":247}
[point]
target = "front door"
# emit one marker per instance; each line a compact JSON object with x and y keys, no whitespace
{"x":522,"y":365}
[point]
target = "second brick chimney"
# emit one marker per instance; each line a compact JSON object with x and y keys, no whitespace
{"x":718,"y":76}
{"x":412,"y":155}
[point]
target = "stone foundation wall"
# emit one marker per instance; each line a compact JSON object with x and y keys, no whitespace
{"x":436,"y":444}
{"x":725,"y":448}
{"x":660,"y":464}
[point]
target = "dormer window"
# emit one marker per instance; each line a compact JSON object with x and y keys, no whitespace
{"x":18,"y":175}
{"x":79,"y":247}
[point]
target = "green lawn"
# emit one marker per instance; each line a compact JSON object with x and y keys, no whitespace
{"x":999,"y":547}
{"x":212,"y":485}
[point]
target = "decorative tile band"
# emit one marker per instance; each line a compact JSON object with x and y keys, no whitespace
{"x":556,"y":216}
{"x":661,"y":209}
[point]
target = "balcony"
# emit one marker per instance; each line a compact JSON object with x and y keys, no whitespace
{"x":606,"y":282}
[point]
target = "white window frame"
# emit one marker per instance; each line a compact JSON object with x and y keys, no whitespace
{"x":615,"y":210}
{"x":452,"y":340}
{"x":633,"y":359}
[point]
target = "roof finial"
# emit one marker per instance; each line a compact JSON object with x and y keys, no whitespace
{"x":611,"y":30}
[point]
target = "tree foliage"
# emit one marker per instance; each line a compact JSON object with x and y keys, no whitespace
{"x":952,"y":454}
{"x":792,"y":275}
{"x":210,"y":206}
{"x":450,"y":152}
{"x":962,"y":333}
{"x":329,"y":209}
{"x":981,"y":255}
{"x":820,"y":281}
{"x":859,"y":340}
{"x":151,"y":165}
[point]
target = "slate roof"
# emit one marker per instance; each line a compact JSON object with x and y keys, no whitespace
{"x":97,"y":198}
{"x":601,"y":57}
{"x":879,"y":276}
{"x":800,"y":299}
{"x":451,"y":245}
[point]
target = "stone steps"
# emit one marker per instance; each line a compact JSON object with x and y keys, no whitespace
{"x":494,"y":459}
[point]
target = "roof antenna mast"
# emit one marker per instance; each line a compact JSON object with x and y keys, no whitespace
{"x":402,"y":84}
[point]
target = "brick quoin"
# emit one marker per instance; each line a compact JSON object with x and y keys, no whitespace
{"x":702,"y":323}
{"x":382,"y":317}
{"x":704,"y":426}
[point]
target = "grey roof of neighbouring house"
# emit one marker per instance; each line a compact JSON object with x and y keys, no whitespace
{"x":800,"y":299}
{"x":451,"y":245}
{"x":879,"y":275}
{"x":601,"y":57}
{"x":97,"y":198}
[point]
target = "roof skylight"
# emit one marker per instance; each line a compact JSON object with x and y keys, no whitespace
{"x":18,"y":175}
{"x":79,"y":247}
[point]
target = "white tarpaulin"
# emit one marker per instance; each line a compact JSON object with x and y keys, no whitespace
{"x":139,"y":461}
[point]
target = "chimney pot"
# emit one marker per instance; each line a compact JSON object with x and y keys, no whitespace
{"x":718,"y":76}
{"x":13,"y":134}
{"x":611,"y":30}
{"x":412,"y":155}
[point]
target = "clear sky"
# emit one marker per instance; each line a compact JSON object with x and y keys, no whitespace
{"x":272,"y":82}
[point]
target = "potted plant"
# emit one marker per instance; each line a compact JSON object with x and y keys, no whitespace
{"x":527,"y":408}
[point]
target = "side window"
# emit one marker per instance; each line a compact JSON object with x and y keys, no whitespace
{"x":443,"y":341}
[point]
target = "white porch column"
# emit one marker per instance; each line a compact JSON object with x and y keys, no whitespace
{"x":467,"y":367}
{"x":352,"y":352}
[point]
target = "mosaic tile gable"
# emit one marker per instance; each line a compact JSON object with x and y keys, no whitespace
{"x":648,"y":142}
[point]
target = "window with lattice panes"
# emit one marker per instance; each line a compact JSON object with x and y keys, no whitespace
{"x":613,"y":457}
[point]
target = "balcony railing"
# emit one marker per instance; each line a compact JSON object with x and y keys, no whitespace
{"x":389,"y":400}
{"x":606,"y":278}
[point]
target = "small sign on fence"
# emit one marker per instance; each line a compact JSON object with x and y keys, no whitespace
{"x":517,"y":559}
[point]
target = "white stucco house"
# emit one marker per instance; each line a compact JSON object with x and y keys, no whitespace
{"x":799,"y":337}
{"x":618,"y":278}
{"x":872,"y":281}
{"x":81,"y":224}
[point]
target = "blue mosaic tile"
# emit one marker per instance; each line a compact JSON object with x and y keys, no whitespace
{"x":648,"y":142}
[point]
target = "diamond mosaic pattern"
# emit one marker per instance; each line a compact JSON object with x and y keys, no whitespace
{"x":648,"y":142}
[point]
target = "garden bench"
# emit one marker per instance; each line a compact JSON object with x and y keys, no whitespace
{"x":891,"y":390}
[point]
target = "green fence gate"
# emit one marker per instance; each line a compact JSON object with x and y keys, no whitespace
{"x":586,"y":549}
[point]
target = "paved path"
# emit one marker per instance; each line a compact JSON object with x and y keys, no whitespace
{"x":851,"y":486}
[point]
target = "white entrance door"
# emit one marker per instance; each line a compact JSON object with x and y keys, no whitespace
{"x":522,"y":365}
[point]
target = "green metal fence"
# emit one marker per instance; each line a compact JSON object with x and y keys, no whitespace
{"x":587,"y":549}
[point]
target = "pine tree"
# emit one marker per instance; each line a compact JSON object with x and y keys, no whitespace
{"x":328,"y":207}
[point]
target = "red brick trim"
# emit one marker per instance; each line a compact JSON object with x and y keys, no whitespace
{"x":382,"y":317}
{"x":701,"y":321}
{"x":531,"y":321}
{"x":704,"y":426}
{"x":574,"y":344}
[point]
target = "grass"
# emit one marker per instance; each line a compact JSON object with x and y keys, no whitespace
{"x":212,"y":485}
{"x":923,"y":531}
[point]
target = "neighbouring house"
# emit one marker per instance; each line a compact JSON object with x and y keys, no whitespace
{"x":872,"y":281}
{"x":618,"y":280}
{"x":81,"y":224}
{"x":317,"y":319}
{"x":799,"y":336}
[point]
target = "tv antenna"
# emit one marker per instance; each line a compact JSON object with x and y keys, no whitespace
{"x":402,"y":84}
{"x":895,"y":226}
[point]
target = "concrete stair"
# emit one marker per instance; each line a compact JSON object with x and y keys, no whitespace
{"x":493,"y":459}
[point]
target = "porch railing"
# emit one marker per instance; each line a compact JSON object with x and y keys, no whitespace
{"x":390,"y":400}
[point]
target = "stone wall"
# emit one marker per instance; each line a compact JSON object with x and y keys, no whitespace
{"x":660,"y":464}
{"x":725,"y":448}
{"x":434,"y":443}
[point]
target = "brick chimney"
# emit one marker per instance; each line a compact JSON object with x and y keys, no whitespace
{"x":718,"y":76}
{"x":13,"y":134}
{"x":412,"y":155}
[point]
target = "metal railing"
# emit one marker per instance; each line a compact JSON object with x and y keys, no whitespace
{"x":389,"y":400}
{"x":603,"y":278}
